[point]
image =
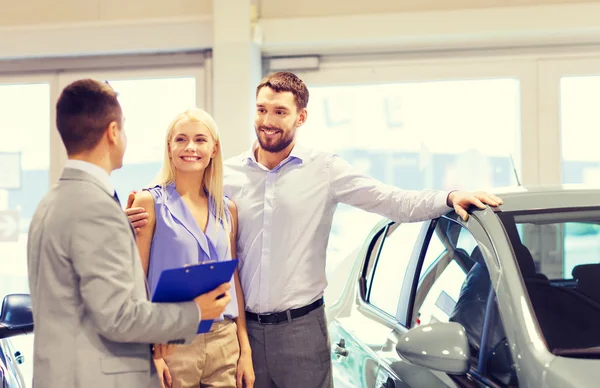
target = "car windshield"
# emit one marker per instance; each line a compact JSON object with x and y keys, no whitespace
{"x":558,"y":253}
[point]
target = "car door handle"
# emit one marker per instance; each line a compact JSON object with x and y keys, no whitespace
{"x":340,"y":348}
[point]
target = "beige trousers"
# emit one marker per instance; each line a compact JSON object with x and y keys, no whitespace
{"x":209,"y":361}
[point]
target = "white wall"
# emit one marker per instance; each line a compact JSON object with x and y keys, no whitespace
{"x":45,"y":12}
{"x":306,"y":8}
{"x":35,"y":29}
{"x":43,"y":28}
{"x":542,"y":25}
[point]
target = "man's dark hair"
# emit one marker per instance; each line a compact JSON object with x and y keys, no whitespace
{"x":84,"y":110}
{"x":284,"y":81}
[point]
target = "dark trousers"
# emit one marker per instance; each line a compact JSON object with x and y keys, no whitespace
{"x":292,"y":354}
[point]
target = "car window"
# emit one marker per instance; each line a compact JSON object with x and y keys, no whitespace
{"x":558,"y":248}
{"x":442,"y":296}
{"x":439,"y":284}
{"x":558,"y":254}
{"x":434,"y":250}
{"x":390,"y":266}
{"x":466,"y":241}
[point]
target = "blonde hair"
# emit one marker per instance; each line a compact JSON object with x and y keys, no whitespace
{"x":213,"y":174}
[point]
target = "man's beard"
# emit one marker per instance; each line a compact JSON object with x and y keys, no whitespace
{"x":276,"y":145}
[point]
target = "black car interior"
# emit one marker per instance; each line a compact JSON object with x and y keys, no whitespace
{"x":587,"y":277}
{"x":568,"y":317}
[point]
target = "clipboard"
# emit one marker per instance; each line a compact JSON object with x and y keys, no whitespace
{"x":186,"y":283}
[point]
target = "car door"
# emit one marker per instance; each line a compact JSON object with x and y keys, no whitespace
{"x":360,"y":330}
{"x":16,"y":358}
{"x":431,"y":259}
{"x":450,"y":283}
{"x":9,"y":372}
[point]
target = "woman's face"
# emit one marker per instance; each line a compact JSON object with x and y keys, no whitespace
{"x":191,"y":147}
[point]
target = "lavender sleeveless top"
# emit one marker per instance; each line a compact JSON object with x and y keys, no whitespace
{"x":179,"y":241}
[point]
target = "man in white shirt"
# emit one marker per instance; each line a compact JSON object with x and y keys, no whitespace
{"x":286,"y":196}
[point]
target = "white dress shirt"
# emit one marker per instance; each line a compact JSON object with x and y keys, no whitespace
{"x":285,"y":217}
{"x":96,"y":171}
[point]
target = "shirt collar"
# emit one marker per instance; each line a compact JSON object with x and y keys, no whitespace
{"x":248,"y":156}
{"x":96,"y":171}
{"x":298,"y":153}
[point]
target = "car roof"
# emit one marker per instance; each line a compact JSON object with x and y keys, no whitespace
{"x":522,"y":198}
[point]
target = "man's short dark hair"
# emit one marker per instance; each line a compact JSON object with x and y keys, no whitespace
{"x":84,"y":110}
{"x":284,"y":81}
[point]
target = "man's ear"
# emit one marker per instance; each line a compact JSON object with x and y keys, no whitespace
{"x":112,"y":132}
{"x":302,"y":117}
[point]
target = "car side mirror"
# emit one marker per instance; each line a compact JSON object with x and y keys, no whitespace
{"x":15,"y":315}
{"x":440,"y":346}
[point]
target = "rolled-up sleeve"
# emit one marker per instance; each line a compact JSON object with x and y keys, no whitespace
{"x":351,"y":187}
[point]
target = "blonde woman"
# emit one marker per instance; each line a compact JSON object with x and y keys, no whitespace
{"x":190,"y":221}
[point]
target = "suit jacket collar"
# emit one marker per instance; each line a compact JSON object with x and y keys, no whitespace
{"x":75,"y":174}
{"x":94,"y":170}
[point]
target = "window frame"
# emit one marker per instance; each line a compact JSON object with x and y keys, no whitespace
{"x":550,"y":73}
{"x":54,"y":138}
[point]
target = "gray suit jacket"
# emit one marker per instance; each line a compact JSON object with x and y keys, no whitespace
{"x":93,"y":320}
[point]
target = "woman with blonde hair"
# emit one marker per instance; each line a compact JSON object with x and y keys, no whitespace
{"x":190,"y":222}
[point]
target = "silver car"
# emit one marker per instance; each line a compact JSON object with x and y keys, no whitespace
{"x":509,"y":298}
{"x":16,"y":319}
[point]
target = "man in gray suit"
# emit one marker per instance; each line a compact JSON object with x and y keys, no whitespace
{"x":93,"y":321}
